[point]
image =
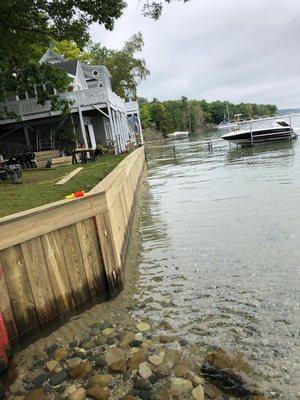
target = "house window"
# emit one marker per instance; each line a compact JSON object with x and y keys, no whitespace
{"x":31,"y":92}
{"x":49,"y":88}
{"x":22,"y":95}
{"x":39,"y":90}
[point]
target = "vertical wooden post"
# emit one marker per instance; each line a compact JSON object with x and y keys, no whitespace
{"x":140,"y":128}
{"x":122,"y":141}
{"x":112,"y":127}
{"x":27,"y":137}
{"x":82,"y":127}
{"x":116,"y":132}
{"x":112,"y":262}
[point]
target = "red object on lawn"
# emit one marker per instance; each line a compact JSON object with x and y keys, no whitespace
{"x":4,"y":346}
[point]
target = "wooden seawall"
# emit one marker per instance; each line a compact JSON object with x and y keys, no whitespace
{"x":55,"y":257}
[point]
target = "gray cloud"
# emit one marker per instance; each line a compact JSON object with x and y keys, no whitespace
{"x":237,"y":50}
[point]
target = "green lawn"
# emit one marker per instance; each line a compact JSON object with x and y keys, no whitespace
{"x":38,"y":185}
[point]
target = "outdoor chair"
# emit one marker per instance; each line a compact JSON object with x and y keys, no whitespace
{"x":26,"y":160}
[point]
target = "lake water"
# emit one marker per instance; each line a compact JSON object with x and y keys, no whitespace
{"x":220,"y":250}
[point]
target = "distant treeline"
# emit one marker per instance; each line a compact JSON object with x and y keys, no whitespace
{"x":195,"y":115}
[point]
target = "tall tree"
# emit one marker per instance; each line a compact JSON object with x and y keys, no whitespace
{"x":126,"y":68}
{"x":26,"y":25}
{"x":194,"y":115}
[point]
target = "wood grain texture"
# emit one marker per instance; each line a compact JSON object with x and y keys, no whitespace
{"x":112,"y":262}
{"x":39,"y":279}
{"x":6,"y":308}
{"x":57,"y":256}
{"x":74,"y":262}
{"x":69,"y":176}
{"x":91,"y":255}
{"x":19,"y":288}
{"x":55,"y":260}
{"x":33,"y":223}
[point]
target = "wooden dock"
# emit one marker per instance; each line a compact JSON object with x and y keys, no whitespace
{"x":57,"y":256}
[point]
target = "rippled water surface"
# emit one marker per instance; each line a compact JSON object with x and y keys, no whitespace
{"x":220,"y":253}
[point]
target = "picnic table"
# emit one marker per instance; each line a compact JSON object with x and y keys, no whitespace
{"x":83,"y":153}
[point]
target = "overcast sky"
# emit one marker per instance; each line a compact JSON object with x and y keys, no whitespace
{"x":237,"y":50}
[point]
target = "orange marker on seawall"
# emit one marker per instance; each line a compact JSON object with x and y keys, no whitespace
{"x":75,"y":195}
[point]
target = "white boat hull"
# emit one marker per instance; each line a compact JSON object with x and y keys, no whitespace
{"x":244,"y":137}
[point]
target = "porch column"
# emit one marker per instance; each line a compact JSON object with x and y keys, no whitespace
{"x":83,"y":132}
{"x":112,"y":126}
{"x":26,"y":137}
{"x":116,"y":131}
{"x":125,"y":126}
{"x":140,"y":126}
{"x":122,"y":143}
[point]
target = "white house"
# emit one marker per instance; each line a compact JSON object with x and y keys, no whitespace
{"x":98,"y":115}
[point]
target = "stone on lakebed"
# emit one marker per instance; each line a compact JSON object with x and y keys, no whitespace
{"x":98,"y":393}
{"x":82,"y":370}
{"x":144,"y":370}
{"x":198,"y":393}
{"x":78,"y":394}
{"x":180,"y":386}
{"x":100,"y":380}
{"x":116,"y":359}
{"x":143,"y":327}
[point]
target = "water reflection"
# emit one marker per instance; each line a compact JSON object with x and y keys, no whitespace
{"x":220,"y":254}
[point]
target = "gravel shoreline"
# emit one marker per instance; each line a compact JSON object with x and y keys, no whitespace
{"x":116,"y":361}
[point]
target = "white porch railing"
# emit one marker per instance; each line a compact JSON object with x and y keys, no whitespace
{"x":132,"y":107}
{"x":87,"y":97}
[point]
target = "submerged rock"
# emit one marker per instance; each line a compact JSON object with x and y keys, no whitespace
{"x":144,"y":370}
{"x":37,"y":394}
{"x":180,"y":386}
{"x":81,"y":371}
{"x":143,"y":327}
{"x":100,"y":380}
{"x":198,"y":393}
{"x":136,"y":359}
{"x":58,"y":378}
{"x":116,"y":359}
{"x":98,"y":393}
{"x":156,"y":359}
{"x":60,"y":354}
{"x":79,"y":394}
{"x":229,"y":372}
{"x":51,"y":365}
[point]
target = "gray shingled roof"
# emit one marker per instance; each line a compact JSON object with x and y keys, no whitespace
{"x":68,"y":66}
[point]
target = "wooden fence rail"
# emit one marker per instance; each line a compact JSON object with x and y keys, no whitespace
{"x":57,"y":256}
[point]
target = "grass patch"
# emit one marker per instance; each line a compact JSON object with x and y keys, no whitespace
{"x":38,"y":186}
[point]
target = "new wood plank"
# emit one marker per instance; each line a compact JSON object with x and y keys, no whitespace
{"x":91,"y":255}
{"x":69,"y":176}
{"x":58,"y":273}
{"x":74,"y":263}
{"x":112,"y":261}
{"x":6,"y":308}
{"x":39,"y":279}
{"x":41,"y":220}
{"x":19,"y":288}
